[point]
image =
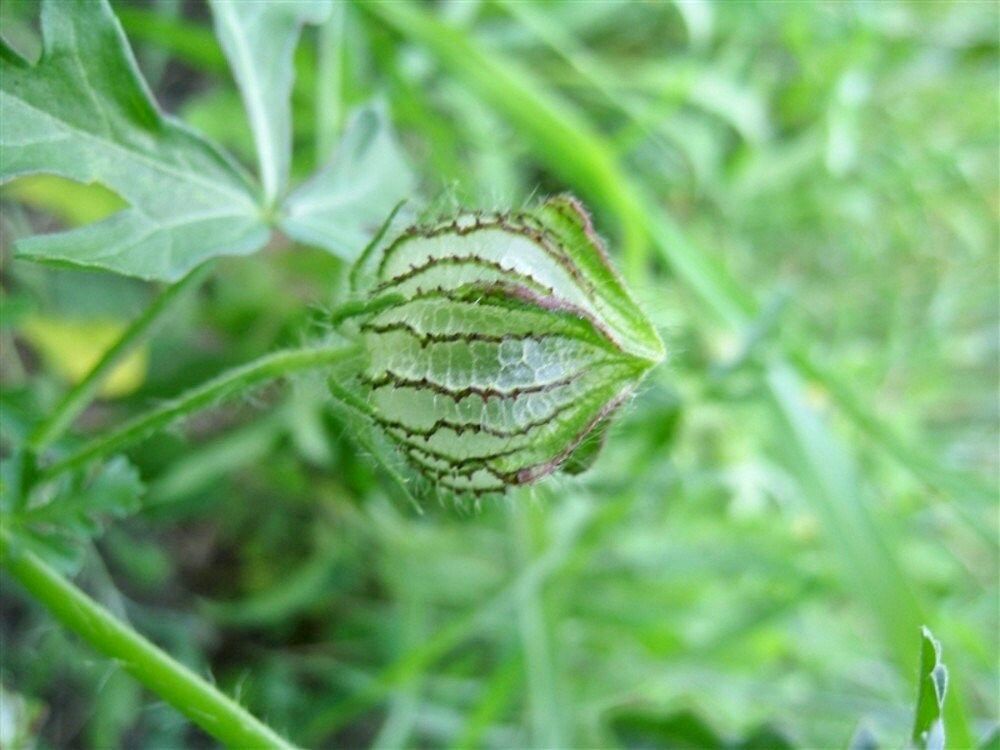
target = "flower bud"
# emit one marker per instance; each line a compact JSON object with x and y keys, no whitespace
{"x":496,"y":344}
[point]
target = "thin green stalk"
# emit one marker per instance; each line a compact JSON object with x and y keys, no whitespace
{"x":201,"y":702}
{"x":77,"y":399}
{"x":234,"y":381}
{"x":329,"y":81}
{"x":543,"y":708}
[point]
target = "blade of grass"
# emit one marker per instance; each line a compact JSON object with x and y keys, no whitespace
{"x":592,"y":72}
{"x":700,"y":271}
{"x":207,"y":463}
{"x":329,"y":81}
{"x":922,"y":466}
{"x":543,"y":707}
{"x":404,"y":706}
{"x":497,"y":698}
{"x":872,"y":570}
{"x":412,"y":110}
{"x":837,"y":492}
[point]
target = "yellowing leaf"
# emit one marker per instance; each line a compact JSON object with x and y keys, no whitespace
{"x":73,"y":347}
{"x":73,"y":202}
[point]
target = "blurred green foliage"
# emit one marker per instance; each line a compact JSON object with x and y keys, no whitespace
{"x":746,"y":564}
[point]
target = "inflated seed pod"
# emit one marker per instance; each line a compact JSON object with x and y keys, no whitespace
{"x":496,"y":344}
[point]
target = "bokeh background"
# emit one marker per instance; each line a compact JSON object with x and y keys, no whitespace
{"x":781,"y":507}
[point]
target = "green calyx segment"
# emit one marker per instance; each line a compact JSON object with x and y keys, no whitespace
{"x":552,"y":251}
{"x":484,"y":313}
{"x":517,"y":439}
{"x":497,"y":344}
{"x":565,"y":218}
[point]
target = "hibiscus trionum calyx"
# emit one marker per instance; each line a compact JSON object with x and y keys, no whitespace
{"x":495,"y":344}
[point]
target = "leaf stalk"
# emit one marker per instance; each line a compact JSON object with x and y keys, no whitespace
{"x":237,"y":380}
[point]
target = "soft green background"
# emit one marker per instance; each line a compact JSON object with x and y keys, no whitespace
{"x":748,"y":558}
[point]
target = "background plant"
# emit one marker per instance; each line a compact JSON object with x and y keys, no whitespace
{"x":812,"y":478}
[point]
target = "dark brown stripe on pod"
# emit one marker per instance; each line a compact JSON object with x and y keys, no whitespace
{"x":448,"y":458}
{"x":539,"y":237}
{"x":462,"y":427}
{"x":426,"y":338}
{"x":414,"y":454}
{"x":456,"y":260}
{"x":389,"y":378}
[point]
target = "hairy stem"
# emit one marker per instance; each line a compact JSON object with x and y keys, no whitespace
{"x":234,"y":381}
{"x":77,"y":399}
{"x":202,"y":703}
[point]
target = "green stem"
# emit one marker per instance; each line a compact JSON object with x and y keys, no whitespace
{"x":228,"y":383}
{"x":77,"y":399}
{"x":202,"y":703}
{"x":329,"y":82}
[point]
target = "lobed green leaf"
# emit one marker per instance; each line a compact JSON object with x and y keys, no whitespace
{"x":928,"y":722}
{"x":84,"y":112}
{"x":259,"y":40}
{"x":340,"y":206}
